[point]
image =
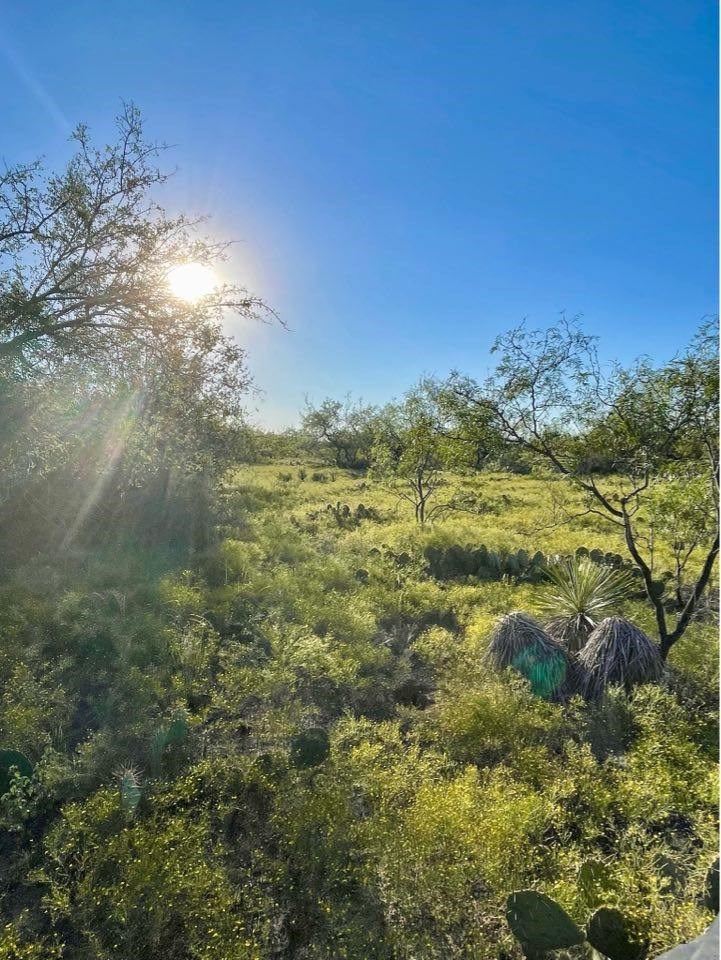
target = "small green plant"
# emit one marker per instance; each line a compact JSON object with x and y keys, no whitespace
{"x":172,"y":734}
{"x":593,"y":878}
{"x":12,"y":760}
{"x":130,"y":789}
{"x":580,"y":593}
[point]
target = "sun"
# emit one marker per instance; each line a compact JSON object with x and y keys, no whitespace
{"x":191,"y":281}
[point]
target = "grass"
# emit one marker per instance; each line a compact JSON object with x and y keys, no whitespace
{"x":437,"y":784}
{"x":522,"y":516}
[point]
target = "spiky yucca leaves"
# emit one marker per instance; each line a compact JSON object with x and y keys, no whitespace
{"x":581,"y":593}
{"x":520,"y":642}
{"x":617,"y":653}
{"x":130,"y":789}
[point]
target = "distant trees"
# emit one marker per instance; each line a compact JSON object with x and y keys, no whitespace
{"x":655,"y":428}
{"x":116,"y":395}
{"x":342,"y":430}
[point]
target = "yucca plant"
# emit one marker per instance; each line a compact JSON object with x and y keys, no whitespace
{"x":618,"y":654}
{"x":130,"y":789}
{"x":520,"y":642}
{"x":580,"y":594}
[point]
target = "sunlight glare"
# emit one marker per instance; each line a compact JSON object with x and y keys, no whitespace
{"x":191,"y":281}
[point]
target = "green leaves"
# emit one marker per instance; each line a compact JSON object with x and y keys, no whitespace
{"x":173,"y":734}
{"x":593,"y":878}
{"x":12,"y":760}
{"x":539,"y":923}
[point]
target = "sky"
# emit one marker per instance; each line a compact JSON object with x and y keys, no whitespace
{"x":406,"y":179}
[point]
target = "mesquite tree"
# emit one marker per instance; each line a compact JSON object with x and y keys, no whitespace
{"x":110,"y":385}
{"x":342,"y":430}
{"x":84,"y":255}
{"x":630,"y":440}
{"x":411,"y":451}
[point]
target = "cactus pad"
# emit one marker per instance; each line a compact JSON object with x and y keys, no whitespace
{"x":539,"y":923}
{"x":608,"y":933}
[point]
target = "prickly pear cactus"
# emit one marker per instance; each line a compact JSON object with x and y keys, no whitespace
{"x":540,"y":924}
{"x":609,"y":933}
{"x":309,"y":748}
{"x":8,"y":760}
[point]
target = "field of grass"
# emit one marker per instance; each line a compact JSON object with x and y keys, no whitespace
{"x":446,"y":785}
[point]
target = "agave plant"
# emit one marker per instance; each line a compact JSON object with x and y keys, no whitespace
{"x":580,"y":594}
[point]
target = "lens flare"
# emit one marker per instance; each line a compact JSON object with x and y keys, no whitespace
{"x":191,"y":281}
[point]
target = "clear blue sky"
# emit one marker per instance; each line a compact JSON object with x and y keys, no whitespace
{"x":408,"y":177}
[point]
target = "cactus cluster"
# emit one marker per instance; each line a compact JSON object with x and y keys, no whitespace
{"x":455,"y":562}
{"x":618,"y":562}
{"x":401,"y":559}
{"x":12,"y":760}
{"x":345,"y":516}
{"x":541,"y":925}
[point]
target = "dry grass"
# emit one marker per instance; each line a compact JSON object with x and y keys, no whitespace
{"x":520,"y":642}
{"x":572,"y":632}
{"x":618,"y":653}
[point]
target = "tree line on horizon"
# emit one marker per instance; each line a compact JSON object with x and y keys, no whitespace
{"x":123,"y":407}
